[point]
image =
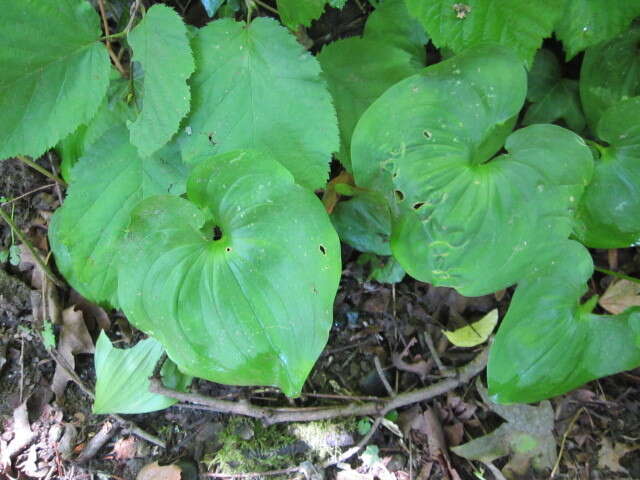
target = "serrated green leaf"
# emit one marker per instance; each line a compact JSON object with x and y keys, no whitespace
{"x":517,"y":24}
{"x":364,"y":222}
{"x":610,"y":72}
{"x":15,"y":255}
{"x":608,"y":213}
{"x":294,"y":13}
{"x":86,"y":232}
{"x":357,"y":72}
{"x":450,"y":201}
{"x":391,"y":23}
{"x":54,"y":72}
{"x":256,"y":87}
{"x":553,"y":98}
{"x":252,"y":307}
{"x":547,"y":344}
{"x":160,"y":45}
{"x":588,"y":22}
{"x":115,"y":110}
{"x":122,"y":377}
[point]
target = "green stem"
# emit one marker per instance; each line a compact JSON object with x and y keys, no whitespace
{"x":36,"y":255}
{"x":43,"y":171}
{"x":618,"y":275}
{"x":115,"y":36}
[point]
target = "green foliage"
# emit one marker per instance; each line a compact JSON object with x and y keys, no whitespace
{"x":122,"y":384}
{"x":269,"y":279}
{"x":518,"y":24}
{"x":54,"y":72}
{"x":256,"y":87}
{"x":191,"y":200}
{"x":160,"y":40}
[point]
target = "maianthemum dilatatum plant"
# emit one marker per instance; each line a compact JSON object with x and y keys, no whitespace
{"x":193,"y":170}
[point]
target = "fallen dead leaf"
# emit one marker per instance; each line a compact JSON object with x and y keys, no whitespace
{"x":609,"y":455}
{"x":22,"y":436}
{"x":620,"y":295}
{"x":153,"y":471}
{"x":437,"y":443}
{"x":90,"y":310}
{"x":74,"y":339}
{"x":420,"y":367}
{"x":125,"y":448}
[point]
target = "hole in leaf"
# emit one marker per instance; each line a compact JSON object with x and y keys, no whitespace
{"x":417,"y":205}
{"x":228,"y":249}
{"x":399,"y":195}
{"x":323,"y":250}
{"x":217,"y":233}
{"x":427,"y":134}
{"x":211,"y":139}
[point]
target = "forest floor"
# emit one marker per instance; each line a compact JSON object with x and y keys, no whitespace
{"x":386,"y":340}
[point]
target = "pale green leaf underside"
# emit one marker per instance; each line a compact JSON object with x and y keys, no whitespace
{"x":428,"y":155}
{"x":358,"y":71}
{"x":610,"y":72}
{"x":161,"y":46}
{"x":122,"y":378}
{"x":547,"y":346}
{"x":86,"y":232}
{"x":256,"y":87}
{"x":608,"y":213}
{"x":518,"y":24}
{"x":54,"y":72}
{"x":294,"y":13}
{"x":253,"y":307}
{"x":588,"y":22}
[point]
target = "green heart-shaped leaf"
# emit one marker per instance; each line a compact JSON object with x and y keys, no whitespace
{"x":608,"y":213}
{"x":111,"y":178}
{"x":429,"y":155}
{"x":256,"y":87}
{"x":238,"y":281}
{"x":610,"y":72}
{"x":122,"y":377}
{"x":549,"y":344}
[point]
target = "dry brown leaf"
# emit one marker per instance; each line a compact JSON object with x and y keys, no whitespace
{"x":22,"y":436}
{"x":125,"y":448}
{"x":420,"y":367}
{"x":437,"y":443}
{"x":621,"y":295}
{"x":74,"y":339}
{"x":609,"y":455}
{"x":90,"y":310}
{"x":153,"y":471}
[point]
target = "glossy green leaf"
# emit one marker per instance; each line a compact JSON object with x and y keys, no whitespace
{"x":122,"y":377}
{"x":238,"y":281}
{"x":54,"y":72}
{"x":364,"y":222}
{"x":610,"y":72}
{"x":114,"y":111}
{"x":211,"y":6}
{"x":158,"y":41}
{"x":553,"y":98}
{"x":549,"y":344}
{"x":358,"y":71}
{"x":391,"y":23}
{"x":256,"y":87}
{"x":451,"y":201}
{"x":588,"y":22}
{"x":608,"y":213}
{"x":518,"y":24}
{"x":86,"y":232}
{"x":294,"y":13}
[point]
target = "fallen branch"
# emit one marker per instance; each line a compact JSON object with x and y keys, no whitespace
{"x":270,"y":416}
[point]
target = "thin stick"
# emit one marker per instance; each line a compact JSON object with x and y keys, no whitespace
{"x":271,"y":473}
{"x":36,"y":254}
{"x":112,"y":54}
{"x":132,"y":15}
{"x":353,"y":450}
{"x":266,"y":7}
{"x":43,"y":187}
{"x":41,"y":170}
{"x":53,"y":169}
{"x":618,"y":275}
{"x":564,"y":439}
{"x":383,"y":377}
{"x":381,"y":407}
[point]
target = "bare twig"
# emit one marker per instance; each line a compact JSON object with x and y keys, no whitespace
{"x":270,"y":416}
{"x":36,"y":255}
{"x":106,"y":432}
{"x":53,"y":169}
{"x":132,"y":16}
{"x":383,"y":377}
{"x":271,"y":473}
{"x":564,"y":439}
{"x":353,"y":450}
{"x":39,"y":169}
{"x":112,"y":54}
{"x":30,"y":192}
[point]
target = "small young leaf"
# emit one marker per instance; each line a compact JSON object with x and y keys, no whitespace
{"x":608,"y":213}
{"x":256,"y":87}
{"x":158,"y":41}
{"x":294,"y":13}
{"x":232,"y":282}
{"x":548,"y":344}
{"x":4,"y":255}
{"x":110,"y":180}
{"x":518,"y":24}
{"x":54,"y":73}
{"x":122,"y":377}
{"x":588,"y":22}
{"x":475,"y":333}
{"x":610,"y":72}
{"x":14,"y":255}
